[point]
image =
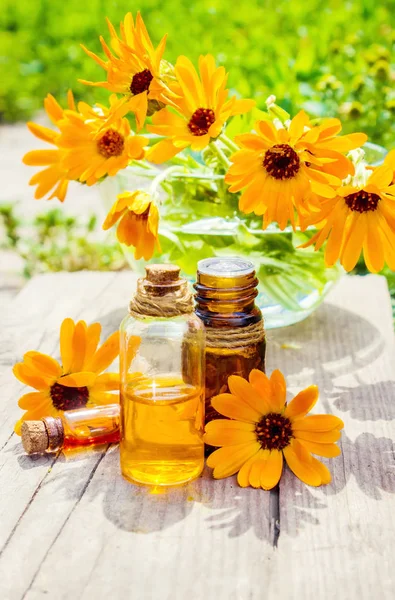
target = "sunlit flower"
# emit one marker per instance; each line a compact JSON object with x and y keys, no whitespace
{"x":53,"y":178}
{"x":98,"y":142}
{"x":138,"y":218}
{"x":135,"y":68}
{"x":202,"y":105}
{"x":280,"y":170}
{"x":360,"y":218}
{"x":74,"y":382}
{"x":263,"y":430}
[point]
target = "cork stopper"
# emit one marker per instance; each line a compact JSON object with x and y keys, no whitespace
{"x":42,"y":436}
{"x":162,"y":274}
{"x":34,"y":437}
{"x":162,"y":293}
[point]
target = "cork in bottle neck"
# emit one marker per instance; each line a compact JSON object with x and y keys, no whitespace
{"x":46,"y":435}
{"x":161,"y":280}
{"x":162,"y":293}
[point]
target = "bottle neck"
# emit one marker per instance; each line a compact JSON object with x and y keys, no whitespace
{"x":55,"y":432}
{"x":227,"y":301}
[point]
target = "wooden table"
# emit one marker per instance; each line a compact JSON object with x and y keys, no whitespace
{"x":73,"y":528}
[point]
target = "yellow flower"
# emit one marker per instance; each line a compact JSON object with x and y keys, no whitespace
{"x":263,"y":430}
{"x":285,"y":169}
{"x":360,"y":219}
{"x":138,"y":218}
{"x":134,"y":68}
{"x":202,"y":107}
{"x":389,"y":162}
{"x":53,"y":177}
{"x":77,"y":381}
{"x":97,"y":144}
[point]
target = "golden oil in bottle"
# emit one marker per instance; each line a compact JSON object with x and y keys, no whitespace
{"x":162,"y":382}
{"x":226,"y":289}
{"x":163,"y":424}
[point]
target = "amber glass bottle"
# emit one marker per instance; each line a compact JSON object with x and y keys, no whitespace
{"x":226,"y":289}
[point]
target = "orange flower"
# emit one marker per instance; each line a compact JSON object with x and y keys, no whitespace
{"x":54,"y":176}
{"x":263,"y":430}
{"x":359,"y":218}
{"x":77,"y":381}
{"x":135,"y":68}
{"x":138,"y":218}
{"x":98,"y":142}
{"x":280,"y":170}
{"x":202,"y":107}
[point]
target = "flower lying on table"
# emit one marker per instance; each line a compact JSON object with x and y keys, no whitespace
{"x":77,"y":382}
{"x":263,"y":429}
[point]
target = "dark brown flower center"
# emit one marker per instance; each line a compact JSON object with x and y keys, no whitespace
{"x":143,"y":216}
{"x":201,"y":121}
{"x":362,"y":201}
{"x":111,"y":144}
{"x":274,"y":431}
{"x":68,"y":398}
{"x":141,"y":82}
{"x":281,"y":161}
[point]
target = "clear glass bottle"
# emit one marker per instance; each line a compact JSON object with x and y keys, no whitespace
{"x":81,"y":427}
{"x":226,"y":289}
{"x":162,"y":382}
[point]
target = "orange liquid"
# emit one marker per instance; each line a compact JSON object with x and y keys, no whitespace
{"x":162,"y":431}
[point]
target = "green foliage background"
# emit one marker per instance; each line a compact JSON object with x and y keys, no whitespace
{"x":332,"y":58}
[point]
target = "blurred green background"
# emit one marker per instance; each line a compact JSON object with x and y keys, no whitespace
{"x":332,"y":58}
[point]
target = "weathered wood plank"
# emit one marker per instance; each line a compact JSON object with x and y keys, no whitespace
{"x":343,"y":533}
{"x":45,"y":494}
{"x":80,"y":530}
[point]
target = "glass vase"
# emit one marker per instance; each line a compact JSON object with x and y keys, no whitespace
{"x":199,"y":218}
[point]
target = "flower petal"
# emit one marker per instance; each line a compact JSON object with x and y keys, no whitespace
{"x":240,"y":388}
{"x":28,"y":376}
{"x":261,"y":384}
{"x":279,"y":390}
{"x":304,"y":471}
{"x":78,"y":346}
{"x":234,"y":408}
{"x":222,"y":432}
{"x":257,"y":467}
{"x":228,"y":460}
{"x":66,"y":339}
{"x":106,"y":354}
{"x":43,"y":364}
{"x":321,"y":437}
{"x":93,"y":337}
{"x":302,"y":403}
{"x":325,"y":450}
{"x":318,"y":423}
{"x":272,"y":470}
{"x":107,"y":382}
{"x":31,"y":400}
{"x":244,"y":473}
{"x":82,"y":379}
{"x":322,"y":470}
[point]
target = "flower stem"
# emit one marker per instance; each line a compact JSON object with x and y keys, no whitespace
{"x":163,"y":175}
{"x":232,"y":146}
{"x":215,"y":146}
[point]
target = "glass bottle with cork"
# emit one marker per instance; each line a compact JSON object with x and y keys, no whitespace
{"x":74,"y":428}
{"x":162,"y":382}
{"x":226,"y":289}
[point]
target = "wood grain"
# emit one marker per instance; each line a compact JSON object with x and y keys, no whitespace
{"x":70,"y":526}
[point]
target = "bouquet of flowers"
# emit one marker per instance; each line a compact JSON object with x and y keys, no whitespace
{"x":299,"y":172}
